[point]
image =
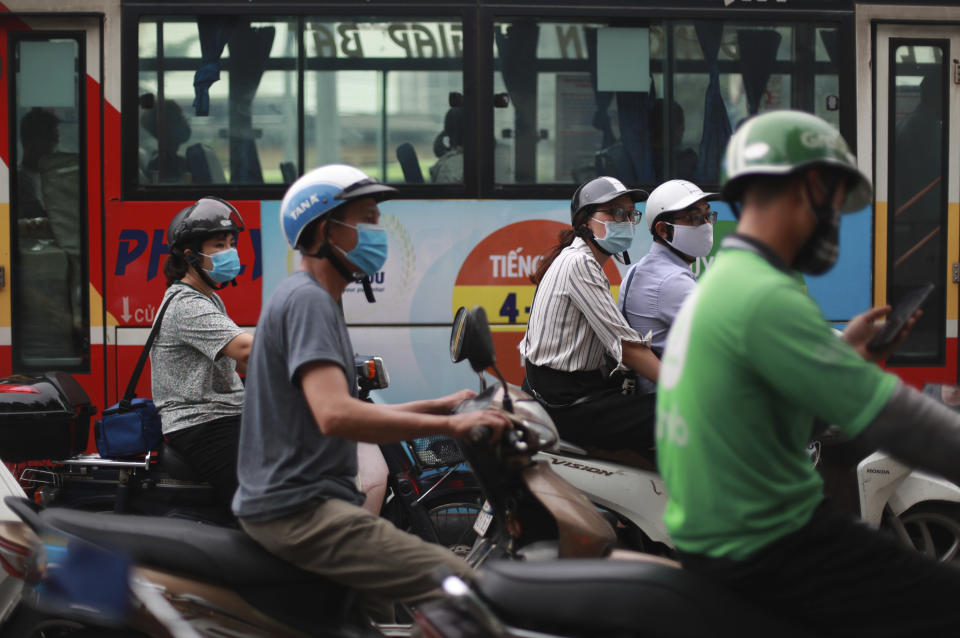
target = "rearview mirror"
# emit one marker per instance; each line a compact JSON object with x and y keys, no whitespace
{"x":470,"y":339}
{"x":457,"y":335}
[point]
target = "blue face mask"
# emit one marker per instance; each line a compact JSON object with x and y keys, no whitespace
{"x":226,"y":265}
{"x":618,"y":238}
{"x":371,"y":250}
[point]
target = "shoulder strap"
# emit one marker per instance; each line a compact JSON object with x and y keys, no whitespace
{"x":624,"y":291}
{"x":131,"y":386}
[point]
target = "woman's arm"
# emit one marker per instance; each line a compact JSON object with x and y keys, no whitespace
{"x":238,"y":349}
{"x":592,"y":297}
{"x":641,"y":359}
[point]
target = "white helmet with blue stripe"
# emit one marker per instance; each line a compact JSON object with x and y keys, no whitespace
{"x":322,"y":190}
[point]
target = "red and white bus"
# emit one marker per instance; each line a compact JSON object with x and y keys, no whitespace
{"x":114,"y":115}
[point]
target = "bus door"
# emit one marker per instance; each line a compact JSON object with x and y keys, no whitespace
{"x":53,"y":164}
{"x":917,"y":235}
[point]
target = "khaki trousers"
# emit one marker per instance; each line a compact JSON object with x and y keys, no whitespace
{"x":349,"y":545}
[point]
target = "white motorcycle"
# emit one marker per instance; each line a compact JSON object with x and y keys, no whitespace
{"x":634,"y":498}
{"x":922,"y":510}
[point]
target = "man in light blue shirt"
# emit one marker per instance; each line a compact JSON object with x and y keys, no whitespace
{"x":681,"y":222}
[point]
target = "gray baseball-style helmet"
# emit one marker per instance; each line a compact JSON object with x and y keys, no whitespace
{"x":601,"y":190}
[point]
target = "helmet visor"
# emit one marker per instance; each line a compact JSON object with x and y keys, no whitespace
{"x":367,"y":188}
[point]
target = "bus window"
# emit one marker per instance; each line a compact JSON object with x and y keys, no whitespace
{"x":50,"y":320}
{"x":650,"y":101}
{"x":826,"y":102}
{"x":918,"y":212}
{"x":217,"y":99}
{"x":377,"y":96}
{"x":557,"y":117}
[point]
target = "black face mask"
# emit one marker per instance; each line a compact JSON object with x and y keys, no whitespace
{"x":820,"y":252}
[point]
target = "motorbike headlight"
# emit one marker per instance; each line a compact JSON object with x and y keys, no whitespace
{"x":537,"y":422}
{"x":532,"y":410}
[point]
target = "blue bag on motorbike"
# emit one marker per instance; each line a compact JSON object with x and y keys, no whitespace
{"x":128,"y":429}
{"x":132,"y":427}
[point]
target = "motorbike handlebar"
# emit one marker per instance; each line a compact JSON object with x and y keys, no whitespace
{"x":510,"y":439}
{"x":480,"y":434}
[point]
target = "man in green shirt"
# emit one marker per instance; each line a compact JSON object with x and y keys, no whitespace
{"x":750,"y":363}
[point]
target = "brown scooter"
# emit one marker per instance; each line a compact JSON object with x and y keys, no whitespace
{"x":541,"y":516}
{"x":218,"y":582}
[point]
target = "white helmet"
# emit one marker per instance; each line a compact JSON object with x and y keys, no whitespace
{"x":673,"y":196}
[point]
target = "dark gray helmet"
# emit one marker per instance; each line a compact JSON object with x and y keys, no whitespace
{"x":601,"y":190}
{"x":205,"y":217}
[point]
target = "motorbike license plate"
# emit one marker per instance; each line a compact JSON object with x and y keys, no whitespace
{"x":484,"y":518}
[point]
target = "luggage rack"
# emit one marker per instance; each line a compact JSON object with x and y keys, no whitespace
{"x":39,"y":476}
{"x":95,"y":460}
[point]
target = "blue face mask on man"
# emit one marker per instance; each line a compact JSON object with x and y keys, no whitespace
{"x":226,"y":265}
{"x":370,"y":253}
{"x":618,"y":237}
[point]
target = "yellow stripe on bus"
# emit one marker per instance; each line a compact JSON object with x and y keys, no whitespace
{"x":880,"y":256}
{"x":505,"y":305}
{"x":96,"y":310}
{"x":880,"y":253}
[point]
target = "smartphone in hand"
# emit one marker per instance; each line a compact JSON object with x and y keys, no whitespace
{"x":898,"y":317}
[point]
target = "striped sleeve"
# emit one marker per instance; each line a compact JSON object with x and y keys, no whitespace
{"x":590,"y":293}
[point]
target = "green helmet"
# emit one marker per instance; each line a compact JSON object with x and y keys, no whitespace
{"x":785,"y":142}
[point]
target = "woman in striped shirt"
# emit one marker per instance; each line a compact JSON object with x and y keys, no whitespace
{"x":579,"y":352}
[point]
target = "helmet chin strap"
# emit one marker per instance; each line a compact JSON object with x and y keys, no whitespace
{"x":585,"y":232}
{"x":822,"y":209}
{"x":197,"y":264}
{"x":326,"y":251}
{"x":679,"y":253}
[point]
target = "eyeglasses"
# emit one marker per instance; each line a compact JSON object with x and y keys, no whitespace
{"x":696,"y":218}
{"x":621,"y":215}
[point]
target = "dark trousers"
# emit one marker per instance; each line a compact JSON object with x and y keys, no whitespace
{"x":838,"y":577}
{"x":211,"y":450}
{"x":610,"y":419}
{"x":351,"y":546}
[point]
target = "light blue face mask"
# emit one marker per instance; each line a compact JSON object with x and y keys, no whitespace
{"x":371,"y":250}
{"x":618,"y":237}
{"x":226,"y":265}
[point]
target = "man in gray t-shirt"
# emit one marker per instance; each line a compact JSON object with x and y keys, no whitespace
{"x":301,"y":417}
{"x":283,"y":468}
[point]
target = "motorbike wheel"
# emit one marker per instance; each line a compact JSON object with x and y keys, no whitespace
{"x":30,"y":623}
{"x":930,"y":528}
{"x":453,"y":519}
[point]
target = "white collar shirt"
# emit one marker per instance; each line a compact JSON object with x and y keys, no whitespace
{"x":653,"y":291}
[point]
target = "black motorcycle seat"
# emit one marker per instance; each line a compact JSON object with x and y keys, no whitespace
{"x":214,"y":554}
{"x":606,"y":597}
{"x":176,"y":466}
